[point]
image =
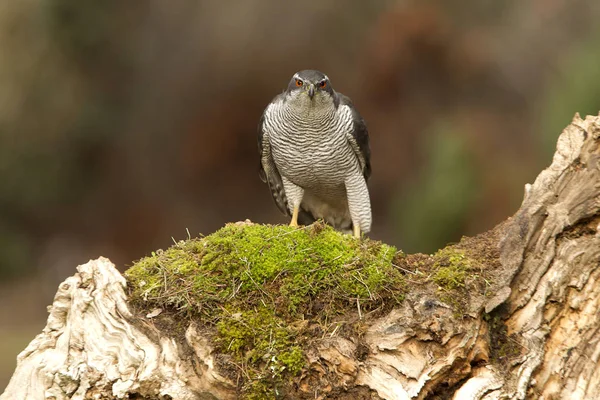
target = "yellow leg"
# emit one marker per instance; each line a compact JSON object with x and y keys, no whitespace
{"x":356,"y":231}
{"x":294,"y":221}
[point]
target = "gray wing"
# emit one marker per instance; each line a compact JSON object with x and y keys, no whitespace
{"x":359,"y":137}
{"x":268,"y":171}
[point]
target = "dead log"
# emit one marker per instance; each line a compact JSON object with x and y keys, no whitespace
{"x":511,"y":314}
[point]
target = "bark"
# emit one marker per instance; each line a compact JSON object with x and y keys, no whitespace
{"x":535,"y":334}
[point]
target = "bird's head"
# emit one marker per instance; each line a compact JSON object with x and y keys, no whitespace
{"x":310,"y":86}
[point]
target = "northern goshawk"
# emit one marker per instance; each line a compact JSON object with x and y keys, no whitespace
{"x":315,"y":157}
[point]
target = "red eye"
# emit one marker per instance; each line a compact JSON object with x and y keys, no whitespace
{"x":322,"y":84}
{"x":299,"y":82}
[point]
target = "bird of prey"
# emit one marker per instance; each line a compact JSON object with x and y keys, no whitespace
{"x":314,"y":155}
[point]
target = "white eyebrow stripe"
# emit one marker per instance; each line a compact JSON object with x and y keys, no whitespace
{"x":297,"y":76}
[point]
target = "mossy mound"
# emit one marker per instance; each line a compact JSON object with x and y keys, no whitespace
{"x":265,"y":292}
{"x":257,"y":284}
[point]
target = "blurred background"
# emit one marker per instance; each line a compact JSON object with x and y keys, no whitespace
{"x":124,"y":123}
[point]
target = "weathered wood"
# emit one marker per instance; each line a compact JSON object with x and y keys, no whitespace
{"x":91,"y":349}
{"x":554,"y":245}
{"x":533,"y":334}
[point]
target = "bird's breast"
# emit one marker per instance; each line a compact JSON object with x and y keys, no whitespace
{"x":313,"y":157}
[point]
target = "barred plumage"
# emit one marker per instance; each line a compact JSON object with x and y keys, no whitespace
{"x":315,"y":156}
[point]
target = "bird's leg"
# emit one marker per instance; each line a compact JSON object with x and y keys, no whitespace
{"x":359,"y":203}
{"x":294,"y":221}
{"x":294,"y":194}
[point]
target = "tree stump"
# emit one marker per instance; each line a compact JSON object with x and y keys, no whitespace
{"x":528,"y":329}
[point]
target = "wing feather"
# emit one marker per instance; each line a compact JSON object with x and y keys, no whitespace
{"x":268,"y":171}
{"x":359,"y":137}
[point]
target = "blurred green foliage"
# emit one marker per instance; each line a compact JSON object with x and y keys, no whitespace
{"x":54,"y":137}
{"x":433,"y":210}
{"x":82,"y":28}
{"x":16,"y":249}
{"x":577,"y":90}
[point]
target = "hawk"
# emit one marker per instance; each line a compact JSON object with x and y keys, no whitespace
{"x":314,"y":155}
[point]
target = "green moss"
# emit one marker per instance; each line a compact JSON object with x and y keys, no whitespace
{"x":254,"y":283}
{"x":259,"y":335}
{"x":504,"y":348}
{"x":451,"y":267}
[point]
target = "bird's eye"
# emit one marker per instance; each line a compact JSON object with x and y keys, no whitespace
{"x":323,"y":84}
{"x":299,"y":82}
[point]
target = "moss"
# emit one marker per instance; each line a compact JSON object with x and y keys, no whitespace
{"x":255,"y":284}
{"x":451,"y":267}
{"x":260,"y":337}
{"x":267,"y":293}
{"x":504,"y":348}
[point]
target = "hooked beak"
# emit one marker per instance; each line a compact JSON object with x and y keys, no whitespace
{"x":311,"y":91}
